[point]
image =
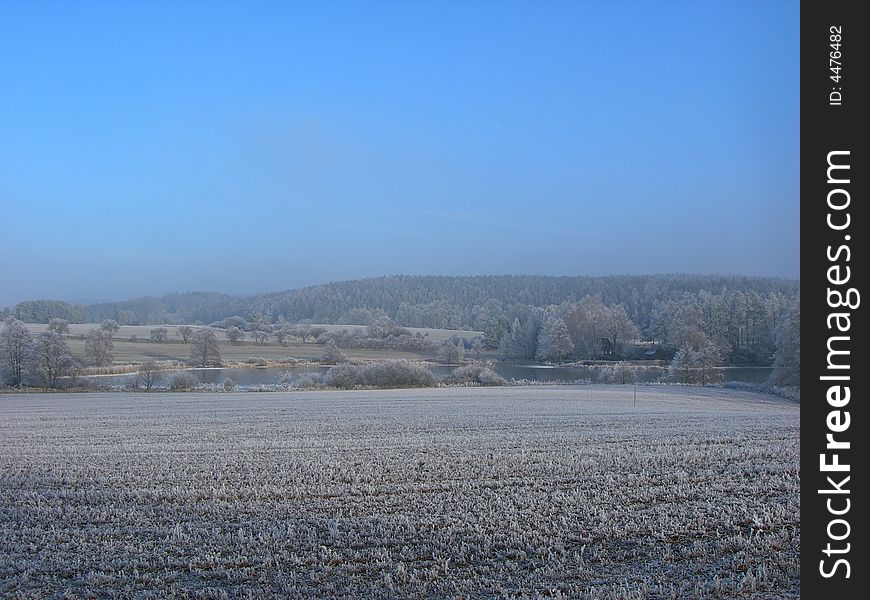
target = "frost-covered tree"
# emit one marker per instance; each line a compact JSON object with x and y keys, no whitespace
{"x":282,"y":333}
{"x":381,"y":327}
{"x":494,"y":333}
{"x":184,"y":332}
{"x":50,"y":358}
{"x":701,"y":365}
{"x":110,"y":326}
{"x":98,"y":347}
{"x":586,"y":325}
{"x":554,"y":340}
{"x":301,"y":331}
{"x":205,"y":349}
{"x":148,"y":375}
{"x":787,"y":360}
{"x":59,"y":326}
{"x":709,"y":361}
{"x":15,"y":344}
{"x":618,"y":325}
{"x":235,"y":335}
{"x":521,"y":340}
{"x":159,"y":335}
{"x":260,"y":336}
{"x":682,"y":368}
{"x":235,"y":321}
{"x":451,"y":352}
{"x":332,"y":354}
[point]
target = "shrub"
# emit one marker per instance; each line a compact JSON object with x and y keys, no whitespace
{"x":616,"y":374}
{"x":789,"y":393}
{"x":182,"y":382}
{"x":398,"y":374}
{"x":344,"y":376}
{"x":332,"y":354}
{"x":475,"y":375}
{"x":306,"y":380}
{"x":229,"y":385}
{"x":384,"y":374}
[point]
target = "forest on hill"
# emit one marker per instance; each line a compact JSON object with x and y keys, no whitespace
{"x":741,"y":316}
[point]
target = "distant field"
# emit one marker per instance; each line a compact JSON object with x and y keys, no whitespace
{"x":457,"y":492}
{"x":144,"y":349}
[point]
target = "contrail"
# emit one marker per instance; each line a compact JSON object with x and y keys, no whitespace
{"x":507,"y":131}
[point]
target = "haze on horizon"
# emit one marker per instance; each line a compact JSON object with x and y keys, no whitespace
{"x":164,"y":148}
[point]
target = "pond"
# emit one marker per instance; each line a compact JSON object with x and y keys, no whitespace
{"x":253,"y":376}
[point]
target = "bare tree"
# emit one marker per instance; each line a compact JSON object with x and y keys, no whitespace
{"x":260,"y":336}
{"x":184,"y":332}
{"x":205,"y":350}
{"x":59,"y":326}
{"x":149,"y":373}
{"x":50,"y":358}
{"x":98,"y":347}
{"x":15,"y":344}
{"x":235,"y":335}
{"x":159,"y":335}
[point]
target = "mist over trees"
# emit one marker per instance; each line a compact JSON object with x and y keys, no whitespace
{"x":43,"y":311}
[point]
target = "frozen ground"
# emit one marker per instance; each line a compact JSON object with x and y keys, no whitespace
{"x":458,"y":492}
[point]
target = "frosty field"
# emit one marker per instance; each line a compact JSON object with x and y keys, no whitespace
{"x":446,"y":492}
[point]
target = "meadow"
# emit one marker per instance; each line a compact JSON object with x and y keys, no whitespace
{"x":143,"y":349}
{"x":449,"y":492}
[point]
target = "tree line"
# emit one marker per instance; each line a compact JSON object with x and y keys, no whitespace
{"x":523,"y":317}
{"x":45,"y":359}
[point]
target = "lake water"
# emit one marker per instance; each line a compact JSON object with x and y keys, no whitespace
{"x":253,"y":376}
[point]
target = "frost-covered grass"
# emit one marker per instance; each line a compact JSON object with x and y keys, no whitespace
{"x":443,"y":492}
{"x":144,"y":349}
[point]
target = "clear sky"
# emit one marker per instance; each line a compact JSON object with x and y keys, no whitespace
{"x":256,"y":146}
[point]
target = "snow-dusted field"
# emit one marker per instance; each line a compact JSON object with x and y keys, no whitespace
{"x":439,"y":492}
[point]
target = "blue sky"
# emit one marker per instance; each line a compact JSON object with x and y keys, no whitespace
{"x":245,"y":147}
